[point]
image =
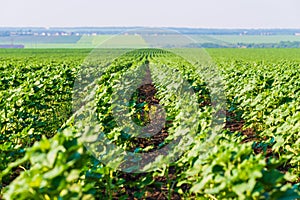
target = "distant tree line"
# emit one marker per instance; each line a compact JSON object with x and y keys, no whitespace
{"x":211,"y":45}
{"x":6,"y":31}
{"x":282,"y":44}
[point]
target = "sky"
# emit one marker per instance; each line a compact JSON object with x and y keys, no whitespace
{"x":151,"y":13}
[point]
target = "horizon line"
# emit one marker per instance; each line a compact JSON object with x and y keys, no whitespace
{"x":164,"y":27}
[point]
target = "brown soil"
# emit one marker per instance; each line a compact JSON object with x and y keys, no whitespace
{"x":158,"y":190}
{"x":13,"y":176}
{"x":146,"y":94}
{"x":235,"y":125}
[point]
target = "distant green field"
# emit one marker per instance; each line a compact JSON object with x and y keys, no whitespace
{"x":273,"y":55}
{"x":123,"y":41}
{"x":216,"y":54}
{"x":92,"y":40}
{"x":75,"y":41}
{"x":256,"y":39}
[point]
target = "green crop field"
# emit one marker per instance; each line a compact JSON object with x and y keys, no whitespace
{"x":255,"y":154}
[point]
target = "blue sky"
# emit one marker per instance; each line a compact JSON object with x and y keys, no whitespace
{"x":155,"y":13}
